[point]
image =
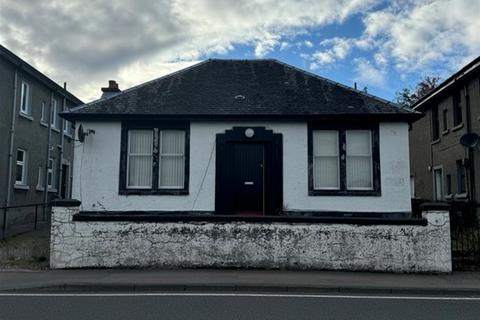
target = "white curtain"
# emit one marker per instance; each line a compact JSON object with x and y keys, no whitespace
{"x":140,"y":156}
{"x":359,"y":159}
{"x":172,"y":159}
{"x":325,"y":159}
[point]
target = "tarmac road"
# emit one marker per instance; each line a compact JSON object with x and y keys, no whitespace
{"x":208,"y":305}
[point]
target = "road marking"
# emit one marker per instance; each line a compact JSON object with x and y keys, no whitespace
{"x":267,"y":295}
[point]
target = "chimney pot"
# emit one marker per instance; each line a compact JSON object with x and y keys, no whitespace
{"x":111,"y":90}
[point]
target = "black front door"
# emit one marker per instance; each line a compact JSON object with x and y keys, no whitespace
{"x":248,"y":178}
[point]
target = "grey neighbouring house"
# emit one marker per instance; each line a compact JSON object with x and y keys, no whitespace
{"x":245,"y":163}
{"x":442,"y":169}
{"x":29,"y":107}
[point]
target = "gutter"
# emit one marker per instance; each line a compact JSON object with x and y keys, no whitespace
{"x":62,"y":143}
{"x":11,"y":142}
{"x":45,"y":182}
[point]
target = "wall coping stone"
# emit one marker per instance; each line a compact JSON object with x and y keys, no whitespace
{"x":66,"y":203}
{"x":185,"y":216}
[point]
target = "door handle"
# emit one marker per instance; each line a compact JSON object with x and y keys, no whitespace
{"x":248,"y":183}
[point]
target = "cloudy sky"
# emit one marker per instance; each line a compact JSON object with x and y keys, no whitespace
{"x":382,"y":45}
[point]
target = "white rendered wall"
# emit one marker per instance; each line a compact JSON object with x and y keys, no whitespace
{"x":394,"y":248}
{"x":97,"y":163}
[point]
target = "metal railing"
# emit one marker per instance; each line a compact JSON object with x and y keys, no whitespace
{"x":465,"y":236}
{"x":5,"y":209}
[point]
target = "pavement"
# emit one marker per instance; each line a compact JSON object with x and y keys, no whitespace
{"x":129,"y":280}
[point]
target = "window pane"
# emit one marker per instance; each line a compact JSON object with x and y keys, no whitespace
{"x":325,"y":143}
{"x":172,"y":170}
{"x":140,"y":142}
{"x":20,"y":155}
{"x":325,"y":172}
{"x":19,"y":175}
{"x":24,"y":101}
{"x":140,"y":160}
{"x":325,"y":165}
{"x":140,"y":171}
{"x":173,"y":142}
{"x":358,"y":142}
{"x":359,"y":172}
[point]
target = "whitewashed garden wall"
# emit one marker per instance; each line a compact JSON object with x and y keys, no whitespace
{"x":394,"y":248}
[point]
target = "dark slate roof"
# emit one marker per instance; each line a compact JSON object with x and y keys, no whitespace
{"x":240,"y":89}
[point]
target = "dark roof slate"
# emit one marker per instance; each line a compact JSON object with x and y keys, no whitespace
{"x":238,"y":88}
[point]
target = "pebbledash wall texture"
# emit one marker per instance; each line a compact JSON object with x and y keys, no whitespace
{"x":394,"y":248}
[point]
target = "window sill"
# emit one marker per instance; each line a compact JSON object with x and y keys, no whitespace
{"x":56,"y":130}
{"x":344,"y":193}
{"x":435,"y":141}
{"x":68,"y":135}
{"x":448,"y":196}
{"x":43,"y":124}
{"x":26,"y":116}
{"x":21,"y":187}
{"x":444,"y":132}
{"x":146,"y":192}
{"x":457,"y":127}
{"x":461,"y":195}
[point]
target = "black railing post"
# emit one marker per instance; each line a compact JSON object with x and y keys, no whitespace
{"x":36,"y":215}
{"x":4,"y":231}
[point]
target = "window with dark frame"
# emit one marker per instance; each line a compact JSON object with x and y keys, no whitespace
{"x":54,"y":115}
{"x":448,"y":184}
{"x":43,"y":118}
{"x":21,"y":173}
{"x":25,"y":98}
{"x":435,"y":124}
{"x":445,"y":120}
{"x":457,"y":108}
{"x":154,"y":158}
{"x":461,"y":177}
{"x":343,"y":160}
{"x":51,"y":173}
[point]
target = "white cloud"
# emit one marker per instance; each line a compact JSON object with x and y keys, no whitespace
{"x":369,"y":74}
{"x":422,"y":34}
{"x":86,"y":43}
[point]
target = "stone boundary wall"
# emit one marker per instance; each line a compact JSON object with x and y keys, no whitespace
{"x":393,"y":248}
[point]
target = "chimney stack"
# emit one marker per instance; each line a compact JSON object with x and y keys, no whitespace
{"x":111,"y":90}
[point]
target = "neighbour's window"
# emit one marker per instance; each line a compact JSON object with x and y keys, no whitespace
{"x":25,"y":98}
{"x":435,"y":123}
{"x":21,"y":174}
{"x":40,"y":178}
{"x":461,"y":177}
{"x":51,"y":173}
{"x":155,"y":159}
{"x":445,"y":119}
{"x":67,"y":127}
{"x":53,"y":116}
{"x":343,"y":161}
{"x":326,"y":166}
{"x":43,"y":118}
{"x":448,"y":184}
{"x":457,"y":108}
